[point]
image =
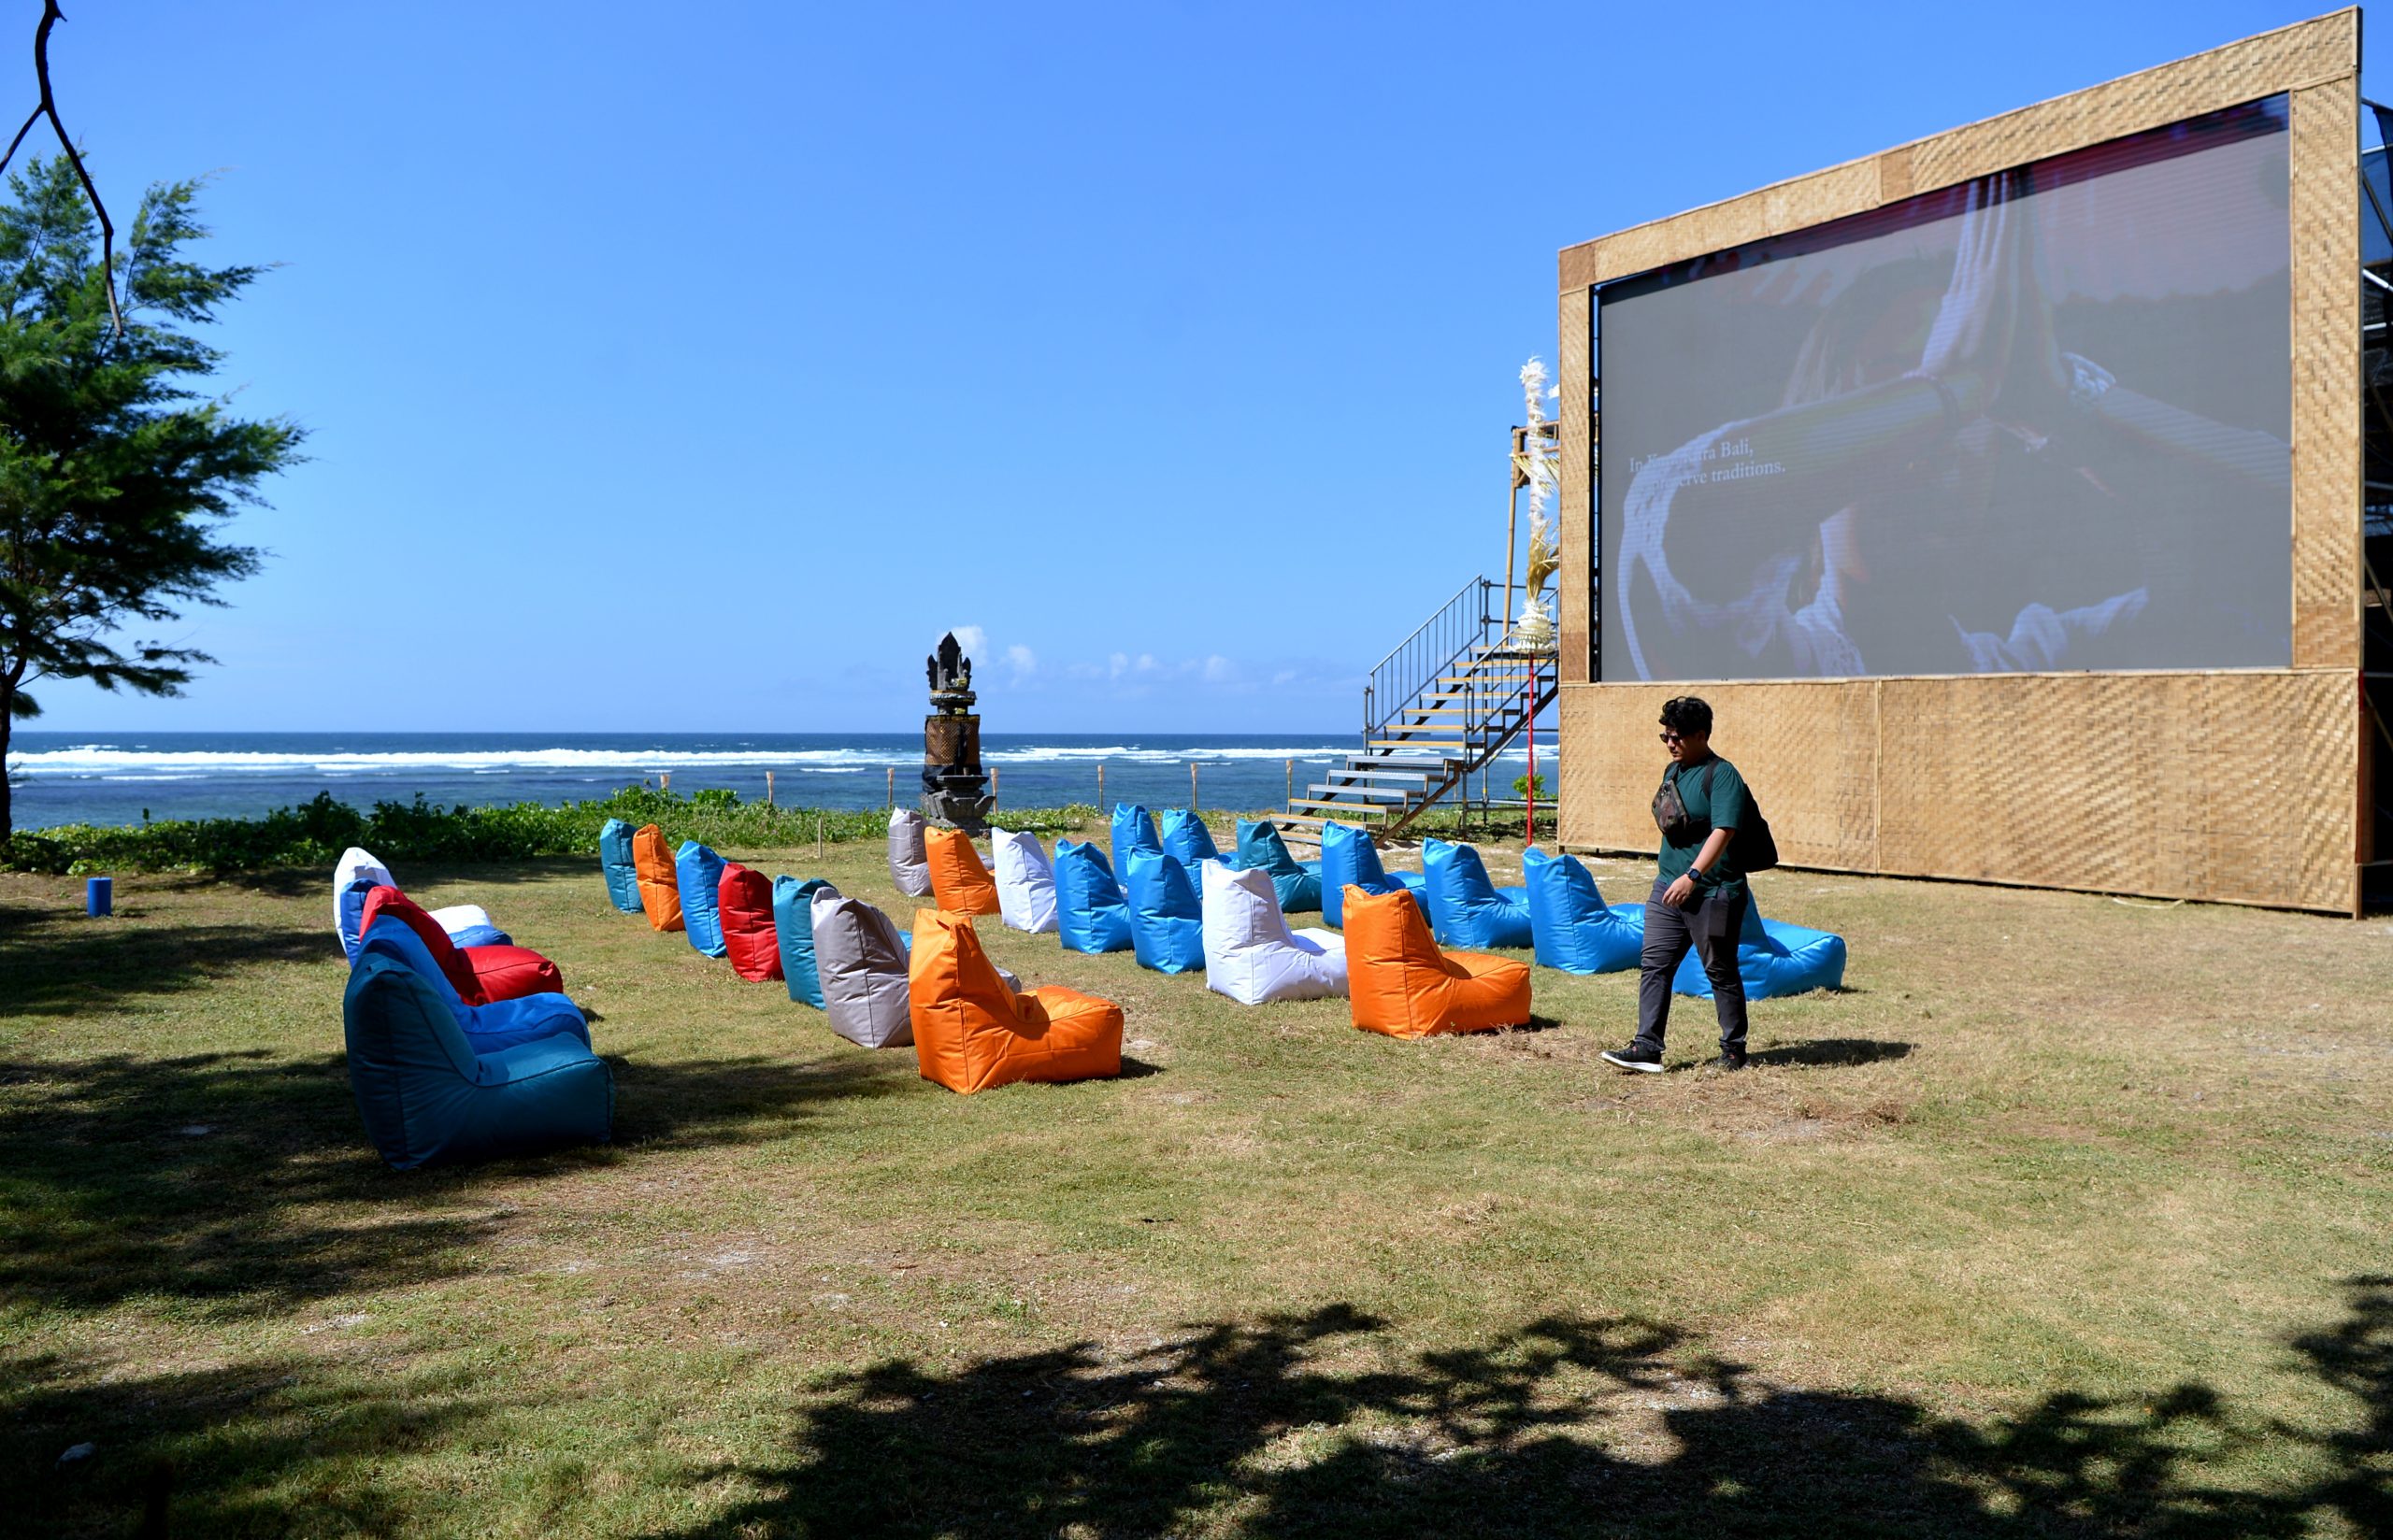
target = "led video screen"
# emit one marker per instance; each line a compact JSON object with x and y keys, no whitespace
{"x":2036,"y":421}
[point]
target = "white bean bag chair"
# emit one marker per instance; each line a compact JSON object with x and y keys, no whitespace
{"x":909,"y":861}
{"x":1250,"y":953}
{"x":358,"y":872}
{"x":1026,"y":882}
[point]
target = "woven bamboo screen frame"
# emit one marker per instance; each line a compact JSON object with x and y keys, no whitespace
{"x":2242,"y":786}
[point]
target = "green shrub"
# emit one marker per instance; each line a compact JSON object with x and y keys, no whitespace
{"x":316,"y":831}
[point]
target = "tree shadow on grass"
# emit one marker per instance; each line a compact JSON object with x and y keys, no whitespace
{"x":1827,"y":1051}
{"x":245,"y":1180}
{"x":1311,"y":1425}
{"x":51,"y":965}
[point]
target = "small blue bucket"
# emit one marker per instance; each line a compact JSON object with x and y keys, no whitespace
{"x":99,"y":895}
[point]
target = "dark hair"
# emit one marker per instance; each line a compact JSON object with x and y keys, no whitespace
{"x":1686,"y":714}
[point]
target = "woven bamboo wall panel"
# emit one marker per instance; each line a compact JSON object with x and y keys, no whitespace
{"x":2230,"y":787}
{"x":1576,"y":370}
{"x":2325,"y":376}
{"x":1812,"y":745}
{"x":2305,"y":54}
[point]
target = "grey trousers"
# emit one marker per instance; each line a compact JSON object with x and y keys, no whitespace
{"x":1712,"y":927}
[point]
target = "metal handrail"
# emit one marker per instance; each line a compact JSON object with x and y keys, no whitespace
{"x":1434,"y":645}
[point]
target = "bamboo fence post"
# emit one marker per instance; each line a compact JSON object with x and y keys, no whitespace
{"x":768,"y":787}
{"x":892,"y":803}
{"x":1292,"y":780}
{"x":1192,"y":786}
{"x":993,"y":772}
{"x":1100,"y":786}
{"x":664,"y":780}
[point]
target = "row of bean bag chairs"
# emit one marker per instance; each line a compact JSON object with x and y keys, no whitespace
{"x":479,"y":974}
{"x":909,"y":862}
{"x":1399,"y":983}
{"x":1465,"y":908}
{"x":439,"y":1080}
{"x":358,"y":874}
{"x":1251,"y":955}
{"x":1350,"y":859}
{"x":974,"y":1026}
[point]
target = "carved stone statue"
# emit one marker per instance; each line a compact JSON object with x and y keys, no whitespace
{"x":955,"y":788}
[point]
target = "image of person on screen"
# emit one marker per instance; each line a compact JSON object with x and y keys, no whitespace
{"x":1945,"y":488}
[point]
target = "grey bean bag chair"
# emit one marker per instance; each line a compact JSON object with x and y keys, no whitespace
{"x":860,"y":957}
{"x":909,"y":864}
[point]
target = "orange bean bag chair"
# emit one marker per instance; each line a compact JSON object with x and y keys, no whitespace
{"x":1400,"y":984}
{"x":972,"y":1030}
{"x":959,"y":882}
{"x":479,"y":974}
{"x":660,"y":889}
{"x":744,"y":898}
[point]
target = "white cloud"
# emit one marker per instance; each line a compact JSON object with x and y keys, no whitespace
{"x":1119,"y":666}
{"x":1024,"y":661}
{"x":971,"y":638}
{"x":1219,"y":670}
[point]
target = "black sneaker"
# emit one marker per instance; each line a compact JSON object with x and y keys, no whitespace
{"x":1727,"y":1061}
{"x":1646,"y":1061}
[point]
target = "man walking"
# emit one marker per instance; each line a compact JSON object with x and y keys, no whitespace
{"x":1699,"y":895}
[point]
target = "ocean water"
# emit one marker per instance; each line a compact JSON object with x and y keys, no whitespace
{"x":77,"y":777}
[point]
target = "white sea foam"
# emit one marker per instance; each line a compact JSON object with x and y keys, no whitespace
{"x":93,"y":762}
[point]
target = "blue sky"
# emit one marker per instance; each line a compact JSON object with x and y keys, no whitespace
{"x":691,"y":368}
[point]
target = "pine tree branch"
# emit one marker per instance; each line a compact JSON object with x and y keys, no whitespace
{"x":48,"y":108}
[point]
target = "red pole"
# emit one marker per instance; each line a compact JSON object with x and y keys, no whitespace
{"x":1530,"y":833}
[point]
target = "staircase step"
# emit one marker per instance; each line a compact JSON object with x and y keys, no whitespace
{"x":1416,"y":744}
{"x":1350,"y":809}
{"x":1397,"y":764}
{"x":1374,"y":793}
{"x":1353,"y":773}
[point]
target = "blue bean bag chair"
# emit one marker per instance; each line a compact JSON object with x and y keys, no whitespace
{"x":1774,"y":958}
{"x":1091,"y":913}
{"x":1348,"y":858}
{"x":1260,"y":848}
{"x":1133,"y":830}
{"x":495,"y":1025}
{"x":699,"y":871}
{"x":615,"y":860}
{"x":1466,"y":908}
{"x":1167,"y":923}
{"x":429,"y":1093}
{"x":793,"y":924}
{"x":1187,"y":841}
{"x":1571,"y":926}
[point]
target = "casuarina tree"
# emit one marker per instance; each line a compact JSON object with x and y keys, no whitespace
{"x":118,"y":468}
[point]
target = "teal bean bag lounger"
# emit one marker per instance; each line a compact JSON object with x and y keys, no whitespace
{"x":793,"y":925}
{"x":433,"y":1092}
{"x":615,"y":860}
{"x":1773,"y":958}
{"x":1570,"y":925}
{"x":1187,"y":841}
{"x":1260,"y":848}
{"x":1349,"y":859}
{"x":1467,"y":910}
{"x":699,"y":871}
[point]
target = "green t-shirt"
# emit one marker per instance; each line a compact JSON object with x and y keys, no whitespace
{"x":1714,"y":796}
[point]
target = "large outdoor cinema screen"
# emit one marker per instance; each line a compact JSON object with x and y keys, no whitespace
{"x":2037,"y":421}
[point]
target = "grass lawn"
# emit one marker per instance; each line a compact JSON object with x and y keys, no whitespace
{"x":2069,"y":1217}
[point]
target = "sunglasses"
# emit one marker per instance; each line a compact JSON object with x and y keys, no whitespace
{"x":1671,"y":737}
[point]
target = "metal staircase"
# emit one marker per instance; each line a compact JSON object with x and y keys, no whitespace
{"x":1441,"y":706}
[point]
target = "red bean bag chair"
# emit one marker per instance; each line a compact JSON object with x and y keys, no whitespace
{"x":960,"y":882}
{"x":660,"y":889}
{"x":479,"y":974}
{"x":745,"y":901}
{"x":973,"y":1030}
{"x":1399,"y":983}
